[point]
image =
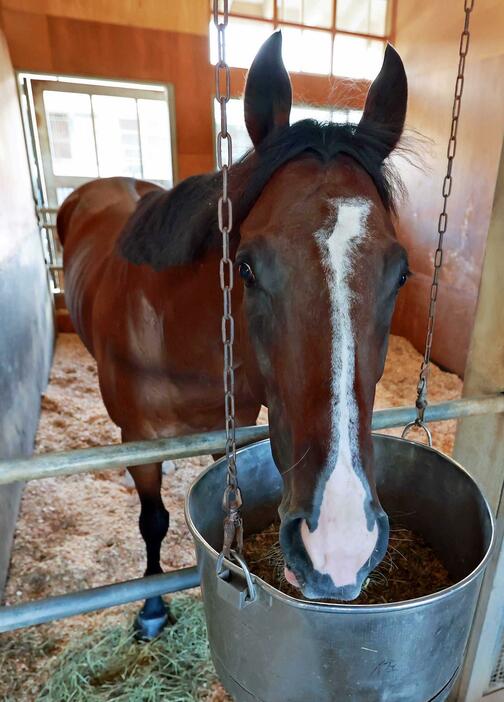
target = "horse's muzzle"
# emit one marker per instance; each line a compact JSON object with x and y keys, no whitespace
{"x":315,"y":584}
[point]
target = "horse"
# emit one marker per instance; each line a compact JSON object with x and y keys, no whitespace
{"x":319,"y":267}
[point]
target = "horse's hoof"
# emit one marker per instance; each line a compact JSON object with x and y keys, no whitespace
{"x":148,"y":628}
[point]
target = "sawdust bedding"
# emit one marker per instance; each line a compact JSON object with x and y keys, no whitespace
{"x":81,"y":531}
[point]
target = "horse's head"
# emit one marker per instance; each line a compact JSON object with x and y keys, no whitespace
{"x":321,"y":267}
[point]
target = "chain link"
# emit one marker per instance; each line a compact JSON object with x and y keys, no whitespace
{"x":423,"y":380}
{"x":232,"y":500}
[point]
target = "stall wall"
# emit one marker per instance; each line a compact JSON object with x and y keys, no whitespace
{"x":427,"y":37}
{"x":164,"y":42}
{"x":26,"y":319}
{"x":168,"y":42}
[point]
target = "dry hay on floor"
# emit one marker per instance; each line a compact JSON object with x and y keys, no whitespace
{"x":110,"y":665}
{"x":81,"y":531}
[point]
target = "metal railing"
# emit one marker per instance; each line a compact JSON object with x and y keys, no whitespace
{"x":140,"y":452}
{"x":52,"y":247}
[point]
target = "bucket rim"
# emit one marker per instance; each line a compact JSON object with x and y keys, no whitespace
{"x":314,"y":605}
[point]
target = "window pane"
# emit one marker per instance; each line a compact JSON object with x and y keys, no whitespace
{"x":62,"y":193}
{"x":243,"y":41}
{"x":155,"y":139}
{"x":356,"y":57}
{"x":70,"y":133}
{"x":354,"y":116}
{"x":365,"y":16}
{"x":117,"y":138}
{"x":300,"y":112}
{"x":236,"y":126}
{"x":318,"y":13}
{"x":306,"y":50}
{"x":339,"y":116}
{"x":252,"y":8}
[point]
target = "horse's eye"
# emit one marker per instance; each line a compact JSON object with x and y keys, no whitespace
{"x":404,"y":278}
{"x":247,"y":274}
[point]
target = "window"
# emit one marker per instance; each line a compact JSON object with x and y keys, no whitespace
{"x":328,"y":37}
{"x":239,"y":134}
{"x":97,"y":129}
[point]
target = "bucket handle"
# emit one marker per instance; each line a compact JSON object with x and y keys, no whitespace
{"x":223,"y":573}
{"x":421,"y":425}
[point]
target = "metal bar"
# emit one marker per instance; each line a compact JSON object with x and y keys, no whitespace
{"x":73,"y":603}
{"x":129,"y":454}
{"x":453,"y":409}
{"x":139,"y":452}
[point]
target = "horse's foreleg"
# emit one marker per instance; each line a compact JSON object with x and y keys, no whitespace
{"x":153,"y":522}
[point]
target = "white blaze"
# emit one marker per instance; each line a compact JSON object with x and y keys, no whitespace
{"x":342,"y":543}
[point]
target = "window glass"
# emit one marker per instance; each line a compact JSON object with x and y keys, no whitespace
{"x":365,"y":16}
{"x":356,"y":57}
{"x":317,"y":13}
{"x":236,"y":126}
{"x":155,"y":140}
{"x":117,"y":136}
{"x":71,"y":139}
{"x":243,"y":40}
{"x":262,"y":9}
{"x":300,"y":112}
{"x":306,"y":50}
{"x":354,"y":116}
{"x":62,"y":193}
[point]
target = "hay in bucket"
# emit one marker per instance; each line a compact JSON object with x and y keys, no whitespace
{"x":110,"y":665}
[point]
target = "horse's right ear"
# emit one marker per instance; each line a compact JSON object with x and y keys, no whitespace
{"x":268,"y":92}
{"x":171,"y":228}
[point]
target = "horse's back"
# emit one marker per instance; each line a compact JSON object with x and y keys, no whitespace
{"x":89,"y":224}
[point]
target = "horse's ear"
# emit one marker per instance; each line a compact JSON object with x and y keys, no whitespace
{"x":268,"y":92}
{"x":385,"y":108}
{"x":171,"y":228}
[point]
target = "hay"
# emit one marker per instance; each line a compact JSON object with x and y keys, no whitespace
{"x":410,"y":568}
{"x":110,"y":665}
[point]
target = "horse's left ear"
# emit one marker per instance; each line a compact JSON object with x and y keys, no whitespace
{"x":268,"y":92}
{"x":386,"y":101}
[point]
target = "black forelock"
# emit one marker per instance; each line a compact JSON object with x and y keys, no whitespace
{"x":176,"y":227}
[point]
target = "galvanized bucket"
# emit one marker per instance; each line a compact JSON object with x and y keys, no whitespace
{"x":270,"y":647}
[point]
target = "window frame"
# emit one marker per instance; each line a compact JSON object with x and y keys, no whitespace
{"x":333,"y":31}
{"x":92,"y":86}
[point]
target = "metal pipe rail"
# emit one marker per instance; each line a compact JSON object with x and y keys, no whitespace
{"x":83,"y":601}
{"x":139,"y":452}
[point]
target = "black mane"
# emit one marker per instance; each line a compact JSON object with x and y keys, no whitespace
{"x":176,"y":227}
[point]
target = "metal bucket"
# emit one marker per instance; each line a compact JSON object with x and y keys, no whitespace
{"x":279,"y":649}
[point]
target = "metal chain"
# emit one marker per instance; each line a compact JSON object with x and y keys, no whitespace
{"x":422,"y":387}
{"x":232,"y":500}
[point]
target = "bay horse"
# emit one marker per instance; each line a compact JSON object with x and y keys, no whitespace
{"x":319,"y":270}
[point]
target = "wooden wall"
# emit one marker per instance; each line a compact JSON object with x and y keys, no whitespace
{"x":26,"y":326}
{"x":428,"y":39}
{"x":150,"y":41}
{"x":168,"y":42}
